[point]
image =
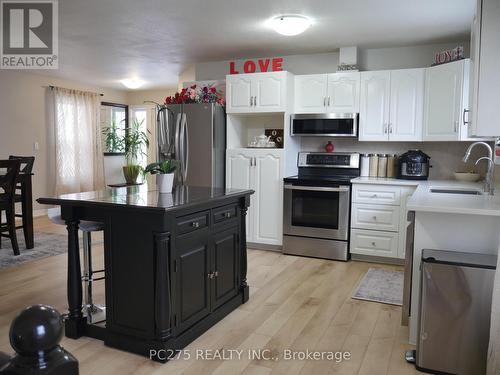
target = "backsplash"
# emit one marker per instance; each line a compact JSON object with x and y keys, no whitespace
{"x":446,"y":157}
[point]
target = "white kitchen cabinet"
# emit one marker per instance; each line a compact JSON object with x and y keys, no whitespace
{"x":374,"y":106}
{"x":406,"y":105}
{"x":343,"y":92}
{"x":310,"y":93}
{"x":327,"y":93}
{"x":391,"y":105}
{"x":443,"y":101}
{"x":485,"y":79}
{"x":261,"y":171}
{"x":257,"y":92}
{"x":379,"y":220}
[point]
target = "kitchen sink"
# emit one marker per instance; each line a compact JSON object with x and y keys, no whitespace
{"x":456,"y":191}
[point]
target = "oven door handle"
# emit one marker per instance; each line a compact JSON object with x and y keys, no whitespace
{"x":315,"y":188}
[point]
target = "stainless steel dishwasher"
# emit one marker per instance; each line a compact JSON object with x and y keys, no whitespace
{"x":455,"y":308}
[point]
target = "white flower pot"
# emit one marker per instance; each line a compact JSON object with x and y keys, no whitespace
{"x":164,"y":182}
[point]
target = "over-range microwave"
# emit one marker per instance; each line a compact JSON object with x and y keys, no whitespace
{"x":325,"y":124}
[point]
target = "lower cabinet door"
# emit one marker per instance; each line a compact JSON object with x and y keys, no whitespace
{"x":193,"y":282}
{"x":374,"y":243}
{"x":225,"y":261}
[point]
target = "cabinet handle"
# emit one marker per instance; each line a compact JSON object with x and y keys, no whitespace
{"x":375,"y":218}
{"x":374,"y":196}
{"x":254,"y":101}
{"x":390,"y":128}
{"x":385,"y":128}
{"x":216,"y":274}
{"x":324,"y":101}
{"x":374,"y":244}
{"x":227,"y":215}
{"x":195,"y":224}
{"x":463,"y":117}
{"x":328,"y":101}
{"x":251,"y":101}
{"x":210,"y":275}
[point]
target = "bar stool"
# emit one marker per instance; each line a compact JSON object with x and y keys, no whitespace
{"x":95,"y":313}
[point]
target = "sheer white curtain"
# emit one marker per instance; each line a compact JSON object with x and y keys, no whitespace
{"x":78,"y":162}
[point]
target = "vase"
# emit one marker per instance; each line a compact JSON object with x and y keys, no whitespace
{"x":131,"y":172}
{"x":165,"y":182}
{"x":329,"y":147}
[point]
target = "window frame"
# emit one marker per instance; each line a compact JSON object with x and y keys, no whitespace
{"x":126,"y":107}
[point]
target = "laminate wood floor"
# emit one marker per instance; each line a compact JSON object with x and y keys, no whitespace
{"x":295,"y":303}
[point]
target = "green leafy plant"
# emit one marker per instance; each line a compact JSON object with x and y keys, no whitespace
{"x":136,"y":141}
{"x":167,"y":166}
{"x":113,"y":138}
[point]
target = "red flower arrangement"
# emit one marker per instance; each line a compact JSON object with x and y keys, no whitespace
{"x":195,"y":94}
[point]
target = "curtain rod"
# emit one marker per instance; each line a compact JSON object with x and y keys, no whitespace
{"x":51,"y":87}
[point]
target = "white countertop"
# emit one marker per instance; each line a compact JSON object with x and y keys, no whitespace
{"x":423,"y":200}
{"x":385,"y":181}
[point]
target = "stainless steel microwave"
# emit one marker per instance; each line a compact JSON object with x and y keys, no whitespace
{"x":325,"y":124}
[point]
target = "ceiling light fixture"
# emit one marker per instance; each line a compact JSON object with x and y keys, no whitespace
{"x":289,"y":25}
{"x":132,"y":83}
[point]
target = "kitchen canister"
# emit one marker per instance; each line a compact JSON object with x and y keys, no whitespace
{"x":373,"y":165}
{"x":392,"y":165}
{"x":382,"y":165}
{"x":365,"y":165}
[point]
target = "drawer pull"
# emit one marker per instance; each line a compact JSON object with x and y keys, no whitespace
{"x":374,"y":244}
{"x":227,"y":215}
{"x":216,"y":274}
{"x":374,"y":196}
{"x":211,"y":275}
{"x":195,"y":224}
{"x":374,"y":218}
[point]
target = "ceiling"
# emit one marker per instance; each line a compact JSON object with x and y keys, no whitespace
{"x":104,"y":41}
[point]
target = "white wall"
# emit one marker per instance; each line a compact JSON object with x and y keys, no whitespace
{"x":368,"y":59}
{"x":138,"y":97}
{"x":23,"y":118}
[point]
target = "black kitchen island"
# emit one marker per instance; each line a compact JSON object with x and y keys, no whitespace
{"x":175,"y":264}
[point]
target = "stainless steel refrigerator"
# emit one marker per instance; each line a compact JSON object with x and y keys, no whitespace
{"x":195,"y":136}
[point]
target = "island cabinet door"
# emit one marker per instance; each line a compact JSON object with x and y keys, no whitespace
{"x":225,"y":266}
{"x":193,"y":278}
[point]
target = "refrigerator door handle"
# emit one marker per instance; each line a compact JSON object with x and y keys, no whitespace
{"x":185,"y":146}
{"x":177,"y":144}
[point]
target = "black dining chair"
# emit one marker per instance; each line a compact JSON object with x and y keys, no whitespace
{"x":26,"y":167}
{"x":7,"y":201}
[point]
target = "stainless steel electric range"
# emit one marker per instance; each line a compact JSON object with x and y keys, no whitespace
{"x":317,"y":205}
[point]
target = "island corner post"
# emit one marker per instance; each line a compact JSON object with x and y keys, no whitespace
{"x":171,"y":270}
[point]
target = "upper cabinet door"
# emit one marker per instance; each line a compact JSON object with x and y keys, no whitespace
{"x":269,"y":92}
{"x":443,"y":96}
{"x":239,"y":93}
{"x":343,"y":92}
{"x":406,"y":108}
{"x":374,"y":106}
{"x":310,"y":93}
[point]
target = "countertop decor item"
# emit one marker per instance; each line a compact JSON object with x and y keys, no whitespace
{"x":382,"y":165}
{"x":467,"y":176}
{"x":329,"y":147}
{"x":365,"y":165}
{"x":262,"y":141}
{"x":373,"y":165}
{"x":164,"y":172}
{"x":276,"y":136}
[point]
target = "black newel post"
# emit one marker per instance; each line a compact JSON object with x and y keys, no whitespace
{"x":35,"y":335}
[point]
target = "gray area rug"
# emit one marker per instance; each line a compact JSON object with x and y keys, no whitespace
{"x":46,"y":245}
{"x":380,"y":285}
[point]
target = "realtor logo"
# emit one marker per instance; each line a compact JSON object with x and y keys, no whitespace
{"x":29,"y":34}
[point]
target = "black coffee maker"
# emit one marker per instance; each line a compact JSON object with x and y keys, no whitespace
{"x":413,"y":165}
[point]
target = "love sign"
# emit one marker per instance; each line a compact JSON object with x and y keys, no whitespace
{"x":260,"y":65}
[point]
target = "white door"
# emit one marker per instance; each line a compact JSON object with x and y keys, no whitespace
{"x":443,"y":95}
{"x":240,"y":175}
{"x":144,"y":117}
{"x":343,"y":92}
{"x":269,"y":91}
{"x":239,"y":93}
{"x":310,"y":93}
{"x":269,"y":193}
{"x":407,"y":105}
{"x":374,"y":106}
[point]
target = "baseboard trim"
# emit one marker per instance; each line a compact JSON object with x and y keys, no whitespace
{"x":375,"y":259}
{"x":264,"y":246}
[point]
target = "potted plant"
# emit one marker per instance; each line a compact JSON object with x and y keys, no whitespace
{"x":164,"y":172}
{"x":136,"y":142}
{"x":113,"y":138}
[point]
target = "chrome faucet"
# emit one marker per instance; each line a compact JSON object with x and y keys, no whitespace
{"x":489,"y":184}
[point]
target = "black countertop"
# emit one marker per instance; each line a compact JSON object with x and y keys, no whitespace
{"x":141,"y":196}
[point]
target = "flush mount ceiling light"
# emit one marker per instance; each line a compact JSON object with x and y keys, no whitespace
{"x":132,"y":83}
{"x":289,"y":25}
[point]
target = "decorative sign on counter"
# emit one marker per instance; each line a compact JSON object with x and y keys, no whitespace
{"x":274,"y":64}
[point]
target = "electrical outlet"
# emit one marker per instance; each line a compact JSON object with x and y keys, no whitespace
{"x":497,"y":151}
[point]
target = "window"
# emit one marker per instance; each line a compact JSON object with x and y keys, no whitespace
{"x":114,"y":121}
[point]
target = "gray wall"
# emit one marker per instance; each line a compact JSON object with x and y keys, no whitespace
{"x":368,"y":59}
